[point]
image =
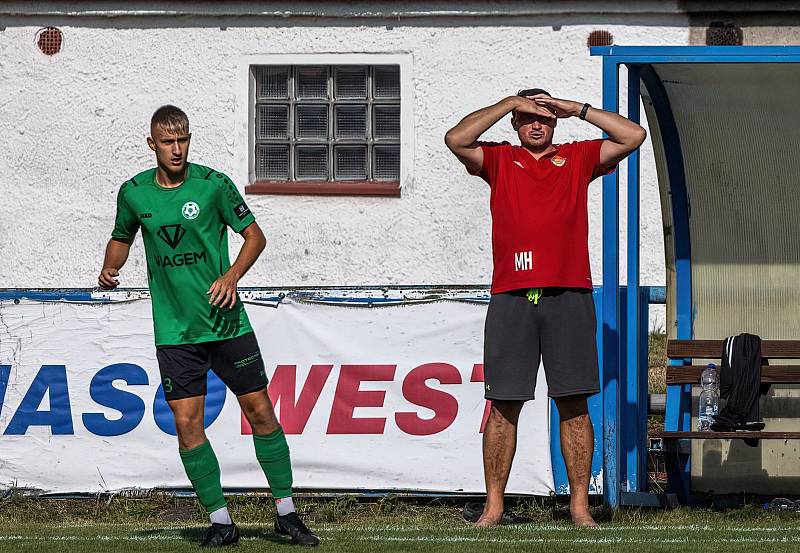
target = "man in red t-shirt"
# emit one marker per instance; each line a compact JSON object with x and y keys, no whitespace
{"x":541,"y":305}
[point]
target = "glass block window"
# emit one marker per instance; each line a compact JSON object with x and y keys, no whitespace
{"x":327,"y":122}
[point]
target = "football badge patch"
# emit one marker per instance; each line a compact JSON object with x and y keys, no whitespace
{"x":558,"y":161}
{"x":190,"y":210}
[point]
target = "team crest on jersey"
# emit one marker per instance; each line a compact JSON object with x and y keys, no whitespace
{"x":558,"y":161}
{"x":190,"y":210}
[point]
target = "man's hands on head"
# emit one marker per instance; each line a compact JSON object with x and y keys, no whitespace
{"x":562,"y":109}
{"x":462,"y":139}
{"x":624,"y":136}
{"x":530,"y":105}
{"x":108,"y":278}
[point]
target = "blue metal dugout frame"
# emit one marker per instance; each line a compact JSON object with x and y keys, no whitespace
{"x":623,"y":363}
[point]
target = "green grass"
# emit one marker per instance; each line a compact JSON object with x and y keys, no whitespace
{"x":163,"y":523}
{"x":656,"y":373}
{"x":414,"y":535}
{"x":657,"y":363}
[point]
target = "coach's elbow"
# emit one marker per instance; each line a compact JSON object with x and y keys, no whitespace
{"x":638,"y":137}
{"x":448,"y":139}
{"x":453,"y":140}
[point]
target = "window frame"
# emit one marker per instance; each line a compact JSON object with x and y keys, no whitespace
{"x":329,"y":187}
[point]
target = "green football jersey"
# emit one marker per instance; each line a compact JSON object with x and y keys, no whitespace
{"x":186,"y":245}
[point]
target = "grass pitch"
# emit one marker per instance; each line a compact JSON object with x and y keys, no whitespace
{"x":163,"y":523}
{"x":407,"y":535}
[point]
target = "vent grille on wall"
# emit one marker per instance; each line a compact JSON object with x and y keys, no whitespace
{"x":600,"y":38}
{"x":724,"y":34}
{"x":49,"y":40}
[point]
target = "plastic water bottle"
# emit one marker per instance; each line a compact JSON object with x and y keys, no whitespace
{"x":709,"y":398}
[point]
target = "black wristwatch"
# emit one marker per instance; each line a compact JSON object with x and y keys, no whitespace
{"x":584,"y":110}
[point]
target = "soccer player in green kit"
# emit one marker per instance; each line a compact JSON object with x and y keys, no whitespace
{"x":200,"y":323}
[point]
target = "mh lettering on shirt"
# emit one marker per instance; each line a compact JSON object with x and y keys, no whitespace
{"x":523,"y":261}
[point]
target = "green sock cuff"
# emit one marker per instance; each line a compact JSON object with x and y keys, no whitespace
{"x":270,"y":438}
{"x":272,"y":452}
{"x":271,"y":447}
{"x":202,"y":469}
{"x":197,"y":450}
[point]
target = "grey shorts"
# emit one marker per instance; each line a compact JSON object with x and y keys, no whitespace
{"x":560,"y":329}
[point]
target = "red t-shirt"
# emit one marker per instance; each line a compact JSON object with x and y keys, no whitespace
{"x":540,"y":221}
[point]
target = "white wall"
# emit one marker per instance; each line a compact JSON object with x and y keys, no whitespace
{"x":74,"y":128}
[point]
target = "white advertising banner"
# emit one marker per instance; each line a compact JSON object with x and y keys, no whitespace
{"x":387,"y":398}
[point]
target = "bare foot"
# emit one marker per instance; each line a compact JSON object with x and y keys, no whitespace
{"x":488,"y":522}
{"x":584,"y":520}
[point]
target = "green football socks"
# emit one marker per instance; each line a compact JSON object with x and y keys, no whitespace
{"x":202,"y":469}
{"x":272,"y":453}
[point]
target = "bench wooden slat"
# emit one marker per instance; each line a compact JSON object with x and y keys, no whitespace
{"x":712,"y":349}
{"x":726,"y":435}
{"x":770,"y":374}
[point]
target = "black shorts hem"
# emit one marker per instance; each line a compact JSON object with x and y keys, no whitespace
{"x":515,"y":398}
{"x":256,"y":389}
{"x":579,"y":392}
{"x":184,"y":396}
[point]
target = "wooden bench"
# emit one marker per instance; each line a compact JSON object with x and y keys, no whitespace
{"x":678,"y":376}
{"x":678,"y":432}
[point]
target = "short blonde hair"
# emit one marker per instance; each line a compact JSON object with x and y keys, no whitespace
{"x":171,"y":119}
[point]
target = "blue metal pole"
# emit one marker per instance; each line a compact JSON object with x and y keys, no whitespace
{"x":610,"y":330}
{"x":699,"y":54}
{"x":644,"y":346}
{"x":631,"y":409}
{"x":678,"y":408}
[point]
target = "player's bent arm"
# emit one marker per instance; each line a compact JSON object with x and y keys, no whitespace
{"x":115,"y":257}
{"x":223,"y":291}
{"x":462,"y":139}
{"x":254,"y":244}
